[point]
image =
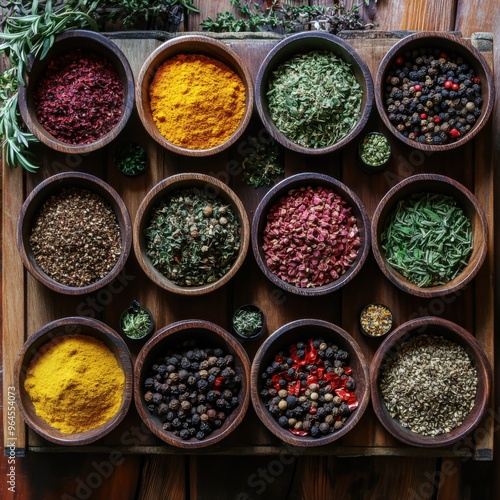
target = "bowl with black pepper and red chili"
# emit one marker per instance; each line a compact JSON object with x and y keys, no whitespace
{"x":434,"y":91}
{"x":78,"y":97}
{"x":310,"y":383}
{"x":310,"y":234}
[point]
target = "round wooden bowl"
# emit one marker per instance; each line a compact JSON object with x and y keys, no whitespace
{"x":432,"y":183}
{"x":53,"y":185}
{"x":447,"y":42}
{"x":302,"y":43}
{"x":191,"y":44}
{"x":281,"y":189}
{"x":172,"y":184}
{"x":92,"y":42}
{"x":203,"y":334}
{"x":282,"y":339}
{"x":392,"y":344}
{"x":56,"y":330}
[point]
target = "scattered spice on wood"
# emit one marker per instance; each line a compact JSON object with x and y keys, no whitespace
{"x":79,"y":98}
{"x":192,"y":237}
{"x":429,"y":385}
{"x":309,"y":388}
{"x":376,"y":320}
{"x":311,"y":237}
{"x":192,"y":389}
{"x":76,"y":238}
{"x":428,"y":238}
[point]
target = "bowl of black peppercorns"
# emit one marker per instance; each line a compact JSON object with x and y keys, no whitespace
{"x":310,"y":383}
{"x":192,"y":384}
{"x":434,"y":91}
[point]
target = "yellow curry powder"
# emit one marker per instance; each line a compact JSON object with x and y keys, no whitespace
{"x":75,"y":383}
{"x":197,"y":102}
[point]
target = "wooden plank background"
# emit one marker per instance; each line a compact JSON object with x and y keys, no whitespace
{"x":128,"y":476}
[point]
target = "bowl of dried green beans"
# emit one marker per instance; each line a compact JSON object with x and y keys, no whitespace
{"x":314,"y":93}
{"x":429,"y":235}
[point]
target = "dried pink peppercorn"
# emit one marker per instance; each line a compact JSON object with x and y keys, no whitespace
{"x":79,"y":98}
{"x":311,"y":237}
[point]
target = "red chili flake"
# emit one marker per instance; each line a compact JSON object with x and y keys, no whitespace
{"x":299,"y":433}
{"x":79,"y":98}
{"x":436,"y":119}
{"x":476,"y":79}
{"x":218,"y":381}
{"x":399,"y":60}
{"x":454,"y":133}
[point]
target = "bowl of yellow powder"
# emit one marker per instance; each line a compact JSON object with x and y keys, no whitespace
{"x":194,"y":95}
{"x":74,"y":380}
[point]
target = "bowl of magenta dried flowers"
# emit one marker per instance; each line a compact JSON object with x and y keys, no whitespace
{"x":429,"y":235}
{"x":248,"y":322}
{"x":310,"y":383}
{"x":313,"y":93}
{"x":434,"y":91}
{"x":78,"y":97}
{"x":136,"y":322}
{"x":192,"y":384}
{"x":191,"y":234}
{"x":430,"y":382}
{"x":310,"y":234}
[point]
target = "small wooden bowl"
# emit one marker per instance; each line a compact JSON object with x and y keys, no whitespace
{"x":447,"y":42}
{"x":191,"y":44}
{"x":440,"y":327}
{"x":92,"y":42}
{"x":58,"y":329}
{"x":302,"y":43}
{"x":432,"y":183}
{"x":205,"y":334}
{"x":303,"y":180}
{"x":40,"y":195}
{"x":169,"y":185}
{"x":282,"y":339}
{"x":250,"y":308}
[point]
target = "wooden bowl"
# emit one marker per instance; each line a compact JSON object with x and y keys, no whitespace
{"x":302,"y":43}
{"x":304,"y":180}
{"x":191,"y":44}
{"x":172,"y":184}
{"x":203,"y":334}
{"x":92,"y":42}
{"x":432,"y":183}
{"x":282,"y":339}
{"x":55,"y":330}
{"x":40,"y":195}
{"x":453,"y":44}
{"x":392,"y":344}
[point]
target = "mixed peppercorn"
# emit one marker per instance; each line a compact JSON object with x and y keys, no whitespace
{"x":309,"y":389}
{"x":432,"y":97}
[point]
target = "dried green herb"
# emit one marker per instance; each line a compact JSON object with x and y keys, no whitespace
{"x":428,"y":239}
{"x":248,"y":322}
{"x":136,"y":322}
{"x":131,"y":158}
{"x":314,"y":99}
{"x":192,"y":237}
{"x":262,"y":164}
{"x":375,"y":149}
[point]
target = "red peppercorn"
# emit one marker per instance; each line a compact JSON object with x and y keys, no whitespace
{"x":454,"y":133}
{"x":418,"y":87}
{"x":399,"y":60}
{"x":436,"y":119}
{"x":455,"y":87}
{"x":476,"y":79}
{"x":423,"y":116}
{"x":448,"y":84}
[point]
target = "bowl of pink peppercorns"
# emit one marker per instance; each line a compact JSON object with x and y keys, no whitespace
{"x":310,"y":234}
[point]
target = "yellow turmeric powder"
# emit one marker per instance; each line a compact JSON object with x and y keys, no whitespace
{"x":197,"y":102}
{"x":75,"y":383}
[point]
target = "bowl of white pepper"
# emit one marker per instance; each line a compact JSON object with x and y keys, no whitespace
{"x":430,"y":382}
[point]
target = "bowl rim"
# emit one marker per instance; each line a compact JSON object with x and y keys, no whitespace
{"x":108,"y":46}
{"x":459,"y":44}
{"x":318,"y":179}
{"x":281,"y":333}
{"x":411,"y":329}
{"x":95,"y":185}
{"x":123,"y":357}
{"x":267,"y":66}
{"x":377,"y":222}
{"x":179,"y":328}
{"x":168,"y":185}
{"x":204,"y":45}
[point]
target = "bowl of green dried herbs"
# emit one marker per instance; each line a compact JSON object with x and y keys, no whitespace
{"x":430,"y":382}
{"x":314,"y":93}
{"x":136,"y":322}
{"x":191,"y":234}
{"x":248,"y":322}
{"x":429,"y":235}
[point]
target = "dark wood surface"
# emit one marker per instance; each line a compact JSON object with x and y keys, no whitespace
{"x":112,"y":474}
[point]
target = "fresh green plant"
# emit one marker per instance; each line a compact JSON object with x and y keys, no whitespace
{"x":136,"y":323}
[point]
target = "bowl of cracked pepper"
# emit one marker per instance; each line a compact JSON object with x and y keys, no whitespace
{"x":310,"y":383}
{"x":430,"y":382}
{"x":191,"y":234}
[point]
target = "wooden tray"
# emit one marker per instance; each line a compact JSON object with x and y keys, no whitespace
{"x":27,"y":305}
